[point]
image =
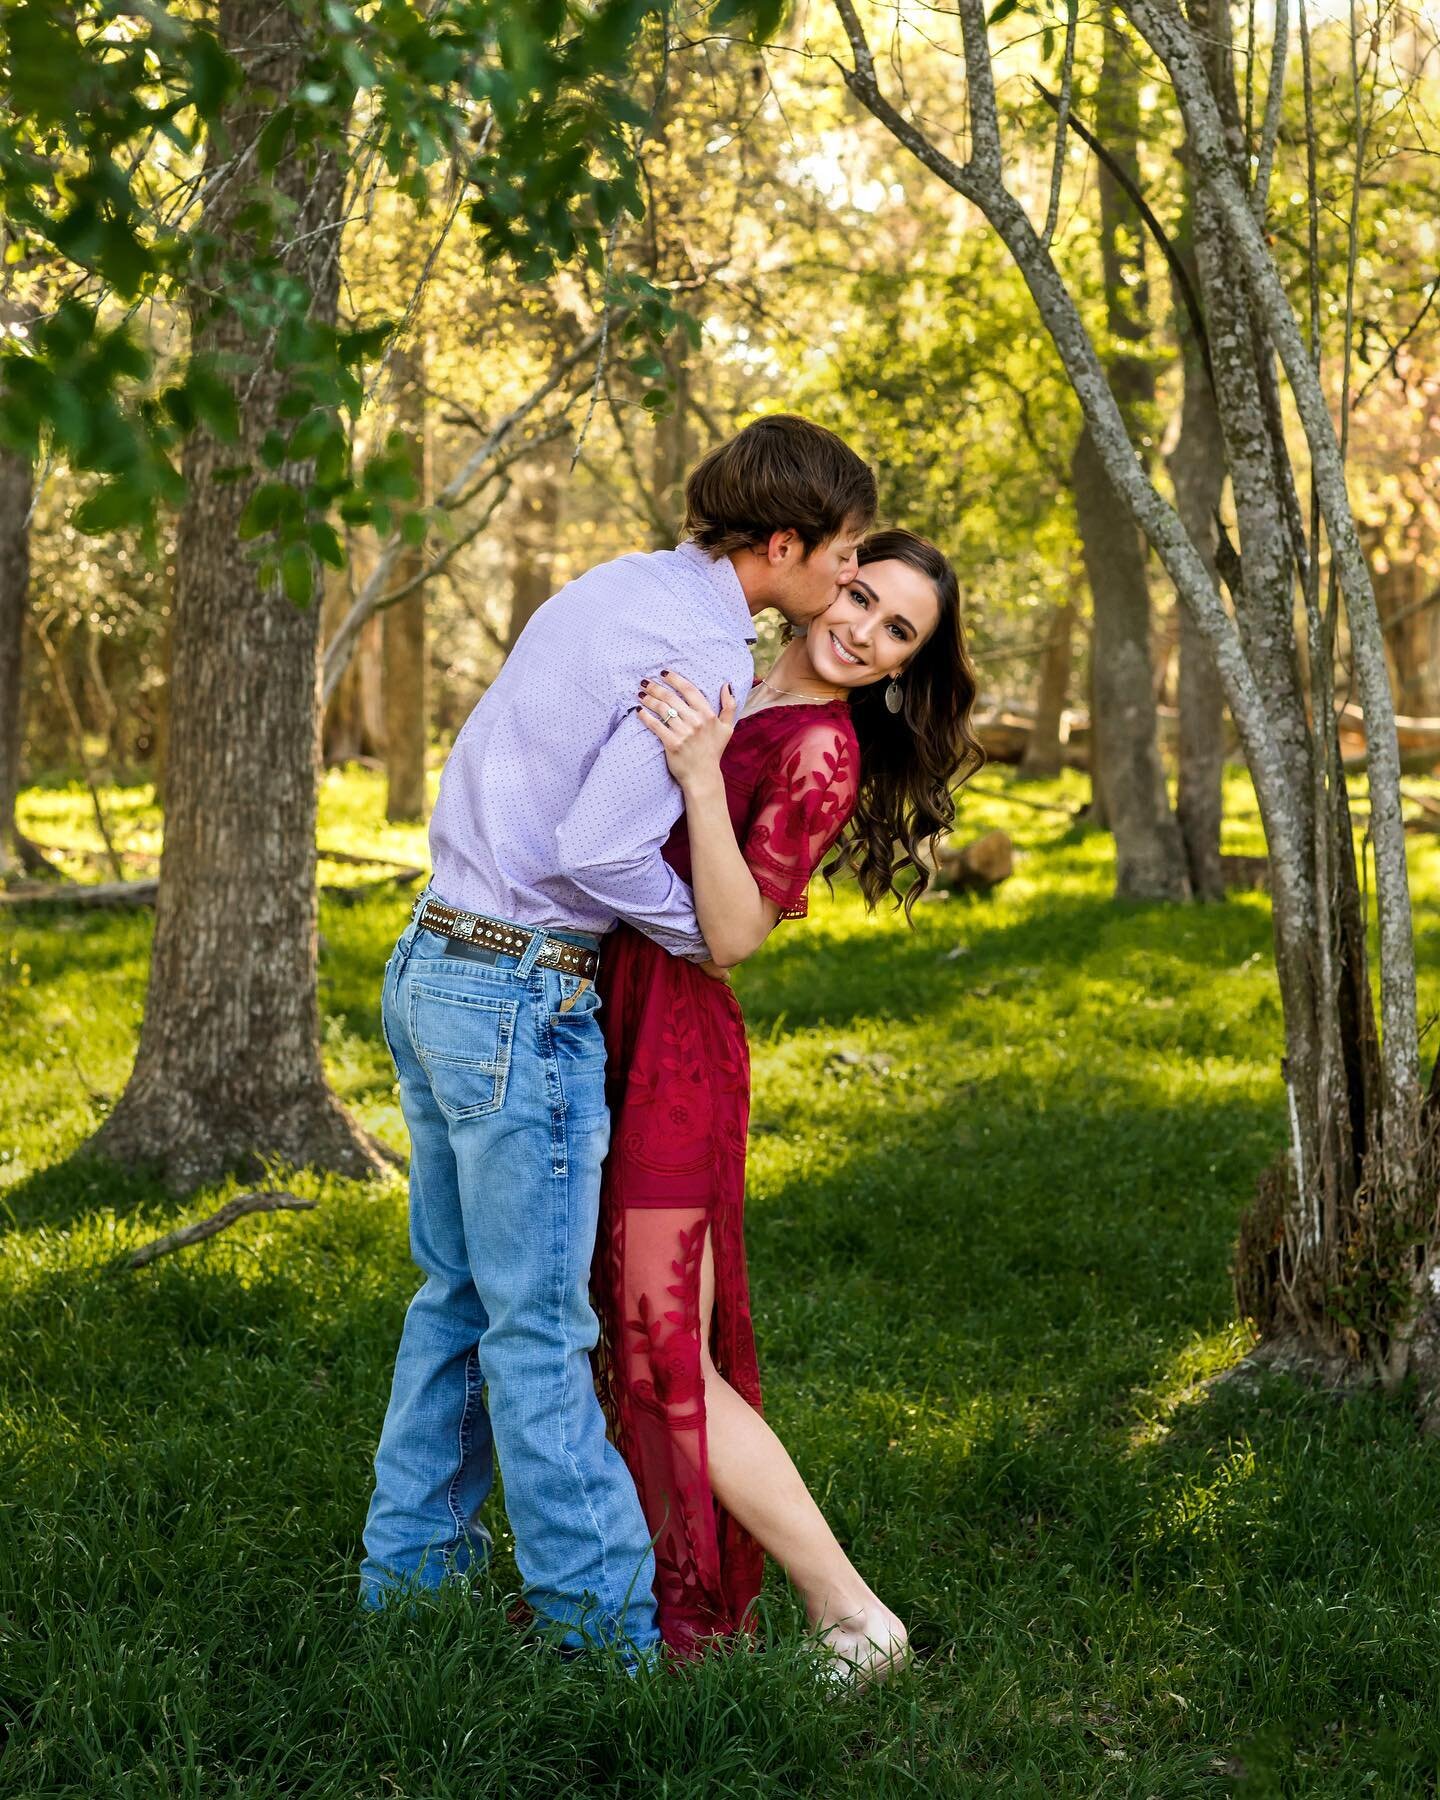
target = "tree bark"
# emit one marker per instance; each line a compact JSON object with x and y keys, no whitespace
{"x":1044,"y":753}
{"x":354,"y":725}
{"x":15,"y":495}
{"x":532,"y":556}
{"x":228,"y":1069}
{"x":403,"y":625}
{"x":1149,"y":862}
{"x":673,"y":448}
{"x":1149,"y":855}
{"x":1180,"y":49}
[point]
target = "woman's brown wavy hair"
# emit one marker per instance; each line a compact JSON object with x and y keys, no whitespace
{"x":911,"y":761}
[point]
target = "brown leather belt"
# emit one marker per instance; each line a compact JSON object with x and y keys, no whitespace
{"x":509,"y":940}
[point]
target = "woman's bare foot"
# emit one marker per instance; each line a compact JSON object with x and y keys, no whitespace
{"x":865,"y":1645}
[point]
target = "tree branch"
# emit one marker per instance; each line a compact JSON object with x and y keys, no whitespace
{"x":1062,"y":119}
{"x":461,"y":487}
{"x":185,"y":1235}
{"x":1179,"y":274}
{"x":1168,"y":34}
{"x":1183,"y":561}
{"x":1274,"y":100}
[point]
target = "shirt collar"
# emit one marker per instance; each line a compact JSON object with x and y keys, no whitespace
{"x":723,"y":584}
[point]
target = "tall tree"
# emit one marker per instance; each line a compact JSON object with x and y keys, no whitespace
{"x":1044,"y":752}
{"x":534,"y":533}
{"x":15,"y":495}
{"x":404,"y":623}
{"x":1337,"y":1256}
{"x":1149,"y":855}
{"x":228,"y":1067}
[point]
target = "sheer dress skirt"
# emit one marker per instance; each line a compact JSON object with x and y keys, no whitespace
{"x":679,"y":1107}
{"x":678,"y":1089}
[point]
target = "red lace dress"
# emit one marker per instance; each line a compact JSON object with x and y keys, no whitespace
{"x":678,"y":1085}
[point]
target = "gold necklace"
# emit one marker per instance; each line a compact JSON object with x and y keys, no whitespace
{"x":796,"y":694}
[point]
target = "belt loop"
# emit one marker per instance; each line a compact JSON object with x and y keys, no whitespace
{"x":531,"y":956}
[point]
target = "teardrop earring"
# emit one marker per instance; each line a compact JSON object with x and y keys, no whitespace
{"x":894,"y":697}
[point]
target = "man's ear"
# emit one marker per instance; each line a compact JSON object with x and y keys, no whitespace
{"x":780,"y":546}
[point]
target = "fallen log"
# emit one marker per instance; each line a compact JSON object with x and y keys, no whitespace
{"x":91,"y":894}
{"x":984,"y":863}
{"x":120,"y":894}
{"x":1418,"y":740}
{"x":1239,"y":873}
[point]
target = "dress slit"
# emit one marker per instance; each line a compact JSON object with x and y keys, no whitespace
{"x":678,"y":1090}
{"x":675,"y":1173}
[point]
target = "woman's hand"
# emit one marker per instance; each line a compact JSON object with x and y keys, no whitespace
{"x":693,"y":734}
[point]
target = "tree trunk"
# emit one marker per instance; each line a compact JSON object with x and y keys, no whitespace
{"x":1044,"y":753}
{"x":1149,"y":855}
{"x":228,"y":1069}
{"x":1406,"y":1206}
{"x":1197,"y":471}
{"x":532,"y":555}
{"x":15,"y":494}
{"x":673,"y":448}
{"x":1097,"y":813}
{"x":1149,"y":858}
{"x":403,"y":625}
{"x":1410,"y":612}
{"x":1339,"y":1249}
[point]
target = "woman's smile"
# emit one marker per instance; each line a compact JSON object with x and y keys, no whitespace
{"x":846,"y":656}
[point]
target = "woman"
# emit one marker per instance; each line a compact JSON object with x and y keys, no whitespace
{"x":858,"y":729}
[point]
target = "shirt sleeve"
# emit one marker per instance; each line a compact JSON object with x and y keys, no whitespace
{"x":609,"y":842}
{"x":801,"y":806}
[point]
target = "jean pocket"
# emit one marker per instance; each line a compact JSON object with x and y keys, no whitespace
{"x":575,"y":997}
{"x":463,"y":1040}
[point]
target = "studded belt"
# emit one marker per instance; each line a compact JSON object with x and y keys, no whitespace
{"x":509,"y":940}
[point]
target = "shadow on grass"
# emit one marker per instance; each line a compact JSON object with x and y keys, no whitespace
{"x":957,"y":1353}
{"x":77,"y":1188}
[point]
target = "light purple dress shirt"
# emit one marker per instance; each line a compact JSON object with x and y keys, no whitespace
{"x":555,"y":800}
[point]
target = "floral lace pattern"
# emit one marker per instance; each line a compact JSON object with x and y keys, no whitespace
{"x":678,"y":1085}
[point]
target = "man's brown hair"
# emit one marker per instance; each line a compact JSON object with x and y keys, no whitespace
{"x":781,"y":473}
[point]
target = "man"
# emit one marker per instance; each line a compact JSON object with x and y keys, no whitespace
{"x":553,"y":809}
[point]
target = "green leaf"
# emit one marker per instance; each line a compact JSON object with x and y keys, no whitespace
{"x":213,"y":401}
{"x":1002,"y":11}
{"x":265,"y":508}
{"x":310,"y":434}
{"x":270,"y":146}
{"x":116,"y":504}
{"x":414,"y":529}
{"x":297,"y":573}
{"x":326,"y":544}
{"x":212,"y":73}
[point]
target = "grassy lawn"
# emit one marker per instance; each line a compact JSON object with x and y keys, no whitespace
{"x":996,"y":1167}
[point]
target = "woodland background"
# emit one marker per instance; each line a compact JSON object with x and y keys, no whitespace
{"x":336,"y":339}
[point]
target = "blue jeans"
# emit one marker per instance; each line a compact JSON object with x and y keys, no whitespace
{"x":504,"y":1097}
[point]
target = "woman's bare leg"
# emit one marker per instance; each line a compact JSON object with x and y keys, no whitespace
{"x":754,"y":1479}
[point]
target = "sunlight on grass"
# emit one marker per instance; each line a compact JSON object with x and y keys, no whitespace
{"x":996,"y":1163}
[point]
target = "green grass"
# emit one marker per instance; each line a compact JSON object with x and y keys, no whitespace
{"x":988,"y":1254}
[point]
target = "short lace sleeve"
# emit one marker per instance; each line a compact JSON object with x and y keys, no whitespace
{"x":801,"y":806}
